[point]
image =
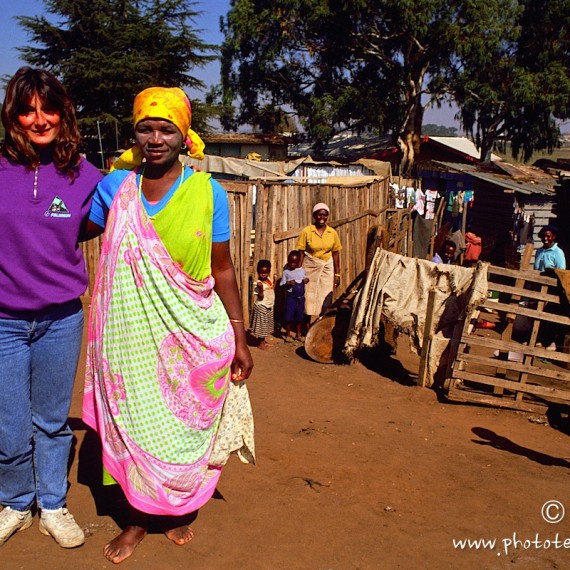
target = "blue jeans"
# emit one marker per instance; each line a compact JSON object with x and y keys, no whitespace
{"x":38,"y":361}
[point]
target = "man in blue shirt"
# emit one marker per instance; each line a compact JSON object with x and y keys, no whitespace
{"x":549,"y":255}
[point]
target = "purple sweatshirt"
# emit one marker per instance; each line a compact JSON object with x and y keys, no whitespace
{"x":41,"y":263}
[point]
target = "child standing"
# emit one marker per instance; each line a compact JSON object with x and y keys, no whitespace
{"x":262,"y":323}
{"x":294,"y":278}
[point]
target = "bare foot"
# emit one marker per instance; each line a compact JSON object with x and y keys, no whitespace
{"x":180,"y":535}
{"x":264,"y":345}
{"x":123,"y":545}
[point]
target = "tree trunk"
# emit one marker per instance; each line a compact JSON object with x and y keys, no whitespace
{"x":487,"y":140}
{"x":409,"y":139}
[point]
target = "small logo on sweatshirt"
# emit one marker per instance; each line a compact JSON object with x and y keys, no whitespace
{"x":57,"y":209}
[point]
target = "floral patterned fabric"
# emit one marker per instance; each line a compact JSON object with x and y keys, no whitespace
{"x":159,"y":352}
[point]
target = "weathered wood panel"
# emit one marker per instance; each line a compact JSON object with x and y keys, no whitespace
{"x":515,"y":370}
{"x":277,"y":212}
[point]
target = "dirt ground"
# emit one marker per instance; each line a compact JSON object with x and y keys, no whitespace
{"x":357,"y":468}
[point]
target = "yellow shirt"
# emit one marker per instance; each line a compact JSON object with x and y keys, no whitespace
{"x":319,"y":246}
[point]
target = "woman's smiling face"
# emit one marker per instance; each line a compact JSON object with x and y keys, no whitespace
{"x":159,"y":140}
{"x":321,"y":217}
{"x":40,"y":123}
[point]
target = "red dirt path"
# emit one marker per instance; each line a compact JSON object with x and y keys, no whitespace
{"x":357,"y":469}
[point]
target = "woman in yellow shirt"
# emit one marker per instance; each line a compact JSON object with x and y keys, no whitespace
{"x":319,"y":245}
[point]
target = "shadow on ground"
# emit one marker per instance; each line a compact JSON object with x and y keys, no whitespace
{"x":381,"y":360}
{"x":490,"y":438}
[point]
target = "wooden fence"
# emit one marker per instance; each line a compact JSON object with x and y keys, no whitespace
{"x":283,"y":210}
{"x":91,"y":250}
{"x":398,"y":238}
{"x":513,"y":371}
{"x":277,"y":212}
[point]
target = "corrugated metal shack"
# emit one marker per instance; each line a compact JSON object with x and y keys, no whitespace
{"x":501,"y":189}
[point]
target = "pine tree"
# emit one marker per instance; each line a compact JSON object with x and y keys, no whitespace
{"x":106,"y":51}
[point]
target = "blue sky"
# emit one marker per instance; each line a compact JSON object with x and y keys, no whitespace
{"x":12,"y":36}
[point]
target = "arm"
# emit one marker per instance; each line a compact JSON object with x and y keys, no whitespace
{"x":90,"y":230}
{"x":226,"y":287}
{"x":301,"y":245}
{"x":260,"y":290}
{"x":101,"y":203}
{"x":336,"y":265}
{"x":561,"y":259}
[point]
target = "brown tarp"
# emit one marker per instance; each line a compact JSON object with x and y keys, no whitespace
{"x":396,"y":291}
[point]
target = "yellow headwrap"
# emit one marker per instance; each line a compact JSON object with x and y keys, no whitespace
{"x":171,"y":104}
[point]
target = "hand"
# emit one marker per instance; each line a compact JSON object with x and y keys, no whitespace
{"x":306,"y":280}
{"x":242,"y":363}
{"x":336,"y":281}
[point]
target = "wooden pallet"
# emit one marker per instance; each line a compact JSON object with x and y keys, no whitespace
{"x":523,"y":376}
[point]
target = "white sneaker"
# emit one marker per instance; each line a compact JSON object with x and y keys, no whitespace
{"x":12,"y":521}
{"x":61,"y":525}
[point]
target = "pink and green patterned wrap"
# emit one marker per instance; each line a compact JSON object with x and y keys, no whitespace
{"x":159,"y":352}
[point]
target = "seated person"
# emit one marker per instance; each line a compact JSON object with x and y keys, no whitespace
{"x":446,"y":254}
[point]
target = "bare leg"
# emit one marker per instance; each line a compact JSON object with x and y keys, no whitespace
{"x":123,"y":545}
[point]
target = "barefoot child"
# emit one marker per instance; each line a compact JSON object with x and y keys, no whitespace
{"x":294,"y":278}
{"x":262,"y":323}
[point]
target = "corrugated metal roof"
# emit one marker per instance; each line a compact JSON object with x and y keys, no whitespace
{"x":523,"y":171}
{"x":280,"y":170}
{"x":539,"y":186}
{"x":350,"y":144}
{"x":463,"y":145}
{"x":246,"y":138}
{"x":346,"y":145}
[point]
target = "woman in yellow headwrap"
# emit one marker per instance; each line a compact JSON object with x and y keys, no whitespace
{"x":166,"y":331}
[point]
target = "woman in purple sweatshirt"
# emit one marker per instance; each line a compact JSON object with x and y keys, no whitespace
{"x":45,"y":196}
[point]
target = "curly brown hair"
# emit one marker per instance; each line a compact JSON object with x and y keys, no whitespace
{"x":24,"y":85}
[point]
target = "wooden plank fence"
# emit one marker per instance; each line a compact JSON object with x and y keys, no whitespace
{"x":283,"y":210}
{"x":399,"y":231}
{"x":277,"y":212}
{"x":513,"y":371}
